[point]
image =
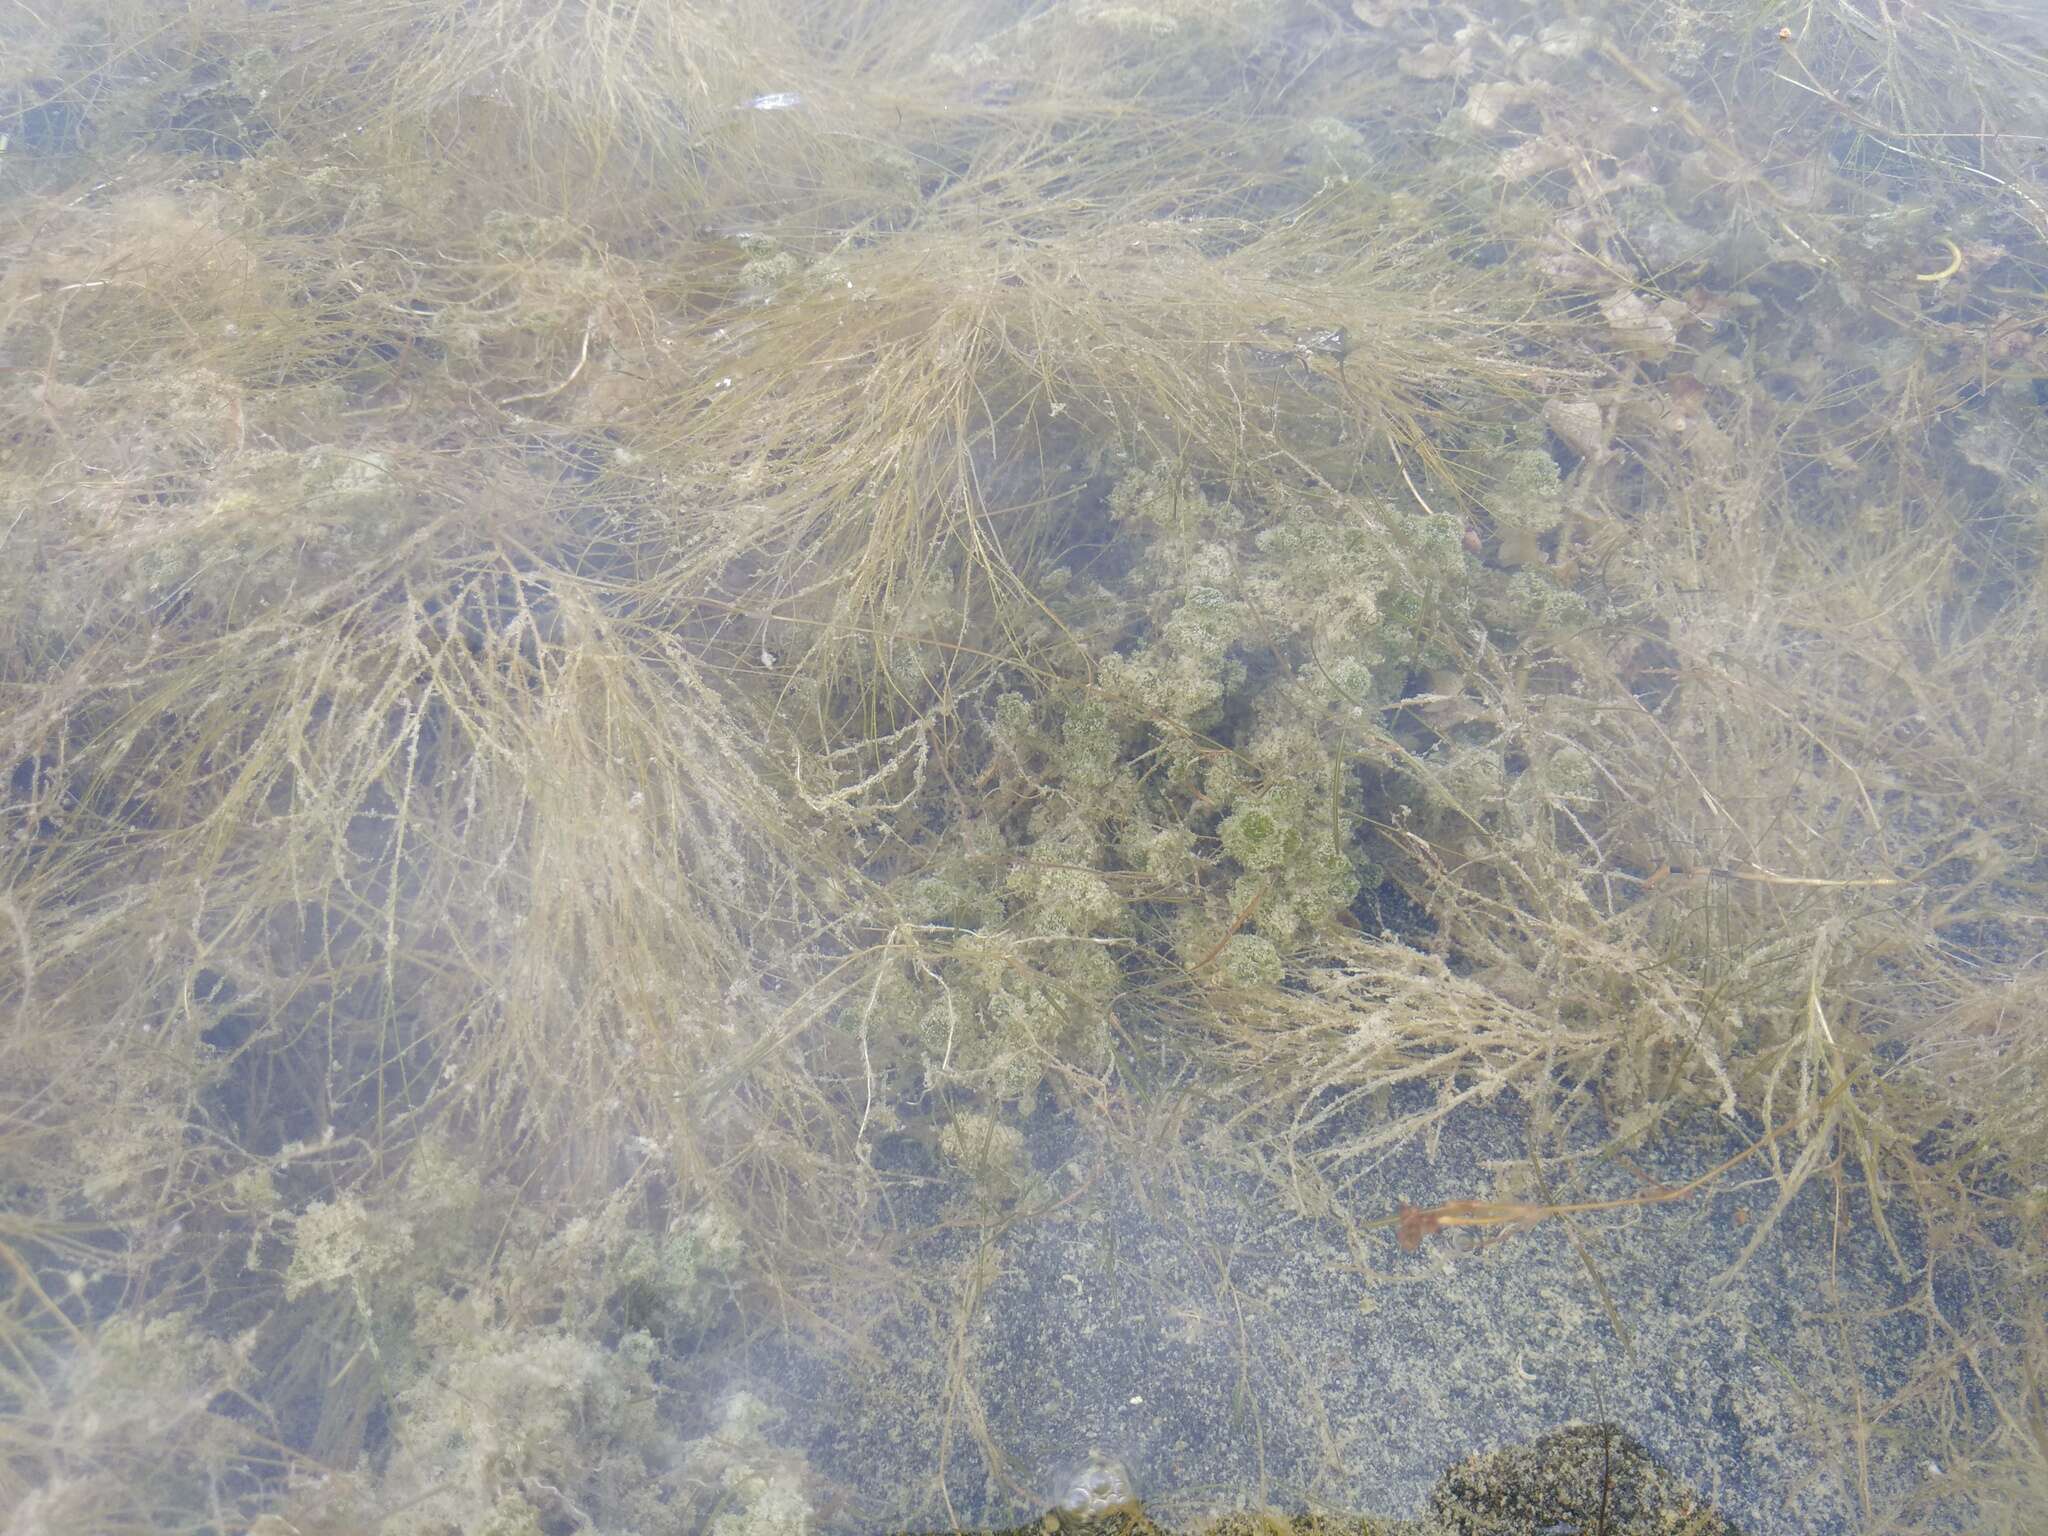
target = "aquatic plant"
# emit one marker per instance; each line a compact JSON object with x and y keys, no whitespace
{"x":639,"y":639}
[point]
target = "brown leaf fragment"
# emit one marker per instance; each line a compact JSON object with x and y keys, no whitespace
{"x":1579,"y":425}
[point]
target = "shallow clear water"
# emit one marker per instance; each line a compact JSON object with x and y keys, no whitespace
{"x":782,"y":768}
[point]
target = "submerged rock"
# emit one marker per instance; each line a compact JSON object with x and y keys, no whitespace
{"x":1583,"y":1478}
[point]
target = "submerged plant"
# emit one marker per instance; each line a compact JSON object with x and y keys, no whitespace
{"x":649,"y":647}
